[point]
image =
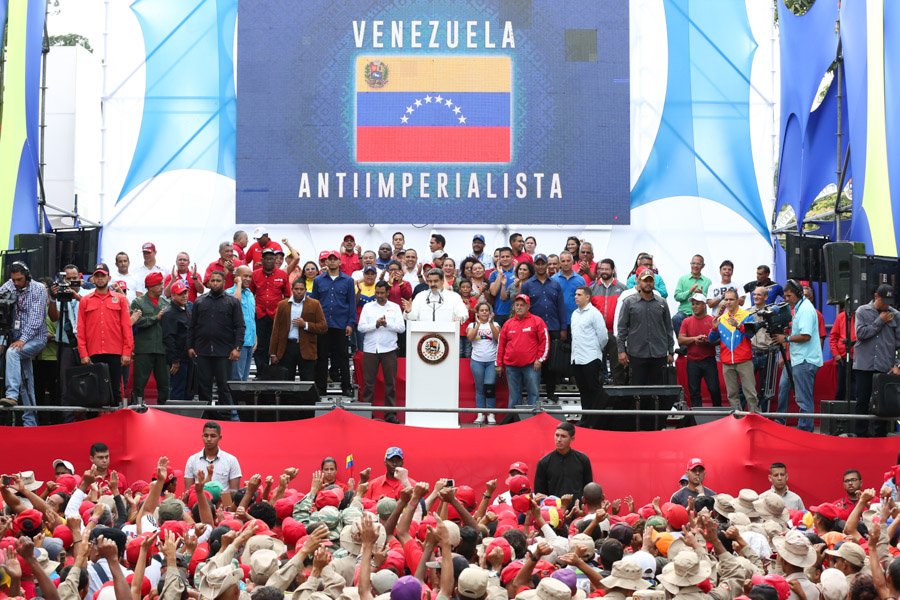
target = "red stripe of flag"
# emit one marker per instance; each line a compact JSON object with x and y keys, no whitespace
{"x":432,"y":144}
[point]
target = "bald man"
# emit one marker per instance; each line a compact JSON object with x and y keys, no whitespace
{"x":241,"y":290}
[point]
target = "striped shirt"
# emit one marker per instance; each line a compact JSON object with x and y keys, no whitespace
{"x":30,"y":310}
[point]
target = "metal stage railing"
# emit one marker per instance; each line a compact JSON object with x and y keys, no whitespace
{"x":550,"y":409}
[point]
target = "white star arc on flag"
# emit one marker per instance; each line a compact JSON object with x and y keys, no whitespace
{"x":437,"y":100}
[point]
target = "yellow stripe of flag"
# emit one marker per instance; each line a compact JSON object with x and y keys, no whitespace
{"x":438,"y":74}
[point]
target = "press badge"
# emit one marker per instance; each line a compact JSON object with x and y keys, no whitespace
{"x":17,"y":324}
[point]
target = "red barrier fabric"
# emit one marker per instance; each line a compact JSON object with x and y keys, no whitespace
{"x":737,"y":452}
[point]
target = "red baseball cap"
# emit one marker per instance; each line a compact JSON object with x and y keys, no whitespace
{"x":826,"y":509}
{"x":677,"y":516}
{"x":349,"y":236}
{"x":518,"y":484}
{"x":179,"y":287}
{"x":329,"y":253}
{"x":694,"y":463}
{"x":519,"y":466}
{"x":148,"y":247}
{"x":524,"y":298}
{"x":324,"y":254}
{"x":645,"y":272}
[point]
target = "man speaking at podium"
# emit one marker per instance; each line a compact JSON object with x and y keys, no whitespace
{"x":437,"y":304}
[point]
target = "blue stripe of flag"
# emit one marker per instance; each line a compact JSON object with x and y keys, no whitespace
{"x":481,"y":109}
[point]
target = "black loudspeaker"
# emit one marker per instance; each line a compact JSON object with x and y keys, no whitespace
{"x":78,"y":246}
{"x":838,"y":426}
{"x":804,"y":256}
{"x":885,"y":395}
{"x":837,"y":268}
{"x":867,"y":273}
{"x":41,"y":254}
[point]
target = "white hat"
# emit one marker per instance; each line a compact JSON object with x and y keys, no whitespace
{"x":259,"y":232}
{"x":698,"y":297}
{"x":65,"y":463}
{"x":29,"y":481}
{"x":43,"y":559}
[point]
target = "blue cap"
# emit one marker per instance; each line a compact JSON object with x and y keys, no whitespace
{"x":392,"y":452}
{"x":542,"y":257}
{"x":370,"y":269}
{"x":478,"y":236}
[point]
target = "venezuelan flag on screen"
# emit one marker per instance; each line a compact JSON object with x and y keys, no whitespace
{"x":433,"y":109}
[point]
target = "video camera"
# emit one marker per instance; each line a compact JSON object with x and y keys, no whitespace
{"x":65,"y":290}
{"x":776,"y":318}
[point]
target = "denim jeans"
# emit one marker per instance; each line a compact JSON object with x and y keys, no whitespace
{"x":485,"y":376}
{"x":20,"y":377}
{"x":241,"y":368}
{"x":525,"y":377}
{"x":804,"y":377}
{"x":465,"y":347}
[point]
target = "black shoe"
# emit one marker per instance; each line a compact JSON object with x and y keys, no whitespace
{"x":392,"y":419}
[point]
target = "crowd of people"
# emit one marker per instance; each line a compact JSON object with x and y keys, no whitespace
{"x":524,"y":315}
{"x":213,"y":532}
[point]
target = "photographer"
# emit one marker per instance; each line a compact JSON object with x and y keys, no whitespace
{"x":66,"y":291}
{"x":27,"y":337}
{"x":805,"y":353}
{"x":764,"y":348}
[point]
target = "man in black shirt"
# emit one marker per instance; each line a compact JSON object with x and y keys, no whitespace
{"x":563,"y":471}
{"x":215,"y":338}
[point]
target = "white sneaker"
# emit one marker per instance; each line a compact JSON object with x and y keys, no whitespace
{"x":491,"y":419}
{"x":479,"y":420}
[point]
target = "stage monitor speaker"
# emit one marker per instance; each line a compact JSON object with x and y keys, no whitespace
{"x":41,"y":257}
{"x":837,"y":268}
{"x":837,"y":426}
{"x":867,"y":273}
{"x":886,"y":395}
{"x":78,"y":246}
{"x":804,"y":256}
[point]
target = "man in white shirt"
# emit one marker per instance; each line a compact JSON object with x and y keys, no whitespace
{"x":412,"y":268}
{"x":381,"y":322}
{"x":122,"y":274}
{"x":226,"y":468}
{"x":149,"y":266}
{"x":589,"y":337}
{"x":437,"y":304}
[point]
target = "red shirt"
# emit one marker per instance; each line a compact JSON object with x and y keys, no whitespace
{"x":350,"y":263}
{"x":692,"y":326}
{"x":238,"y":252}
{"x":471,"y":303}
{"x":269,"y":291}
{"x":382,"y":487}
{"x":401,"y":291}
{"x":104,"y":325}
{"x":218,"y":266}
{"x":253,"y":255}
{"x":192,"y":291}
{"x":524,"y":257}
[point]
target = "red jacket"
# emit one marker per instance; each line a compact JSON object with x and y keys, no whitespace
{"x":838,"y":331}
{"x":253,"y":255}
{"x":523,"y":341}
{"x":104,"y":325}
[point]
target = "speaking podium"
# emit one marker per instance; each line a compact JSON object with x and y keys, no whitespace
{"x":432,"y":372}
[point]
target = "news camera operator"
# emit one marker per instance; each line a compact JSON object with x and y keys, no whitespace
{"x":67,"y":292}
{"x":805,"y":349}
{"x":878,"y":338}
{"x":25,"y":339}
{"x":765,"y":351}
